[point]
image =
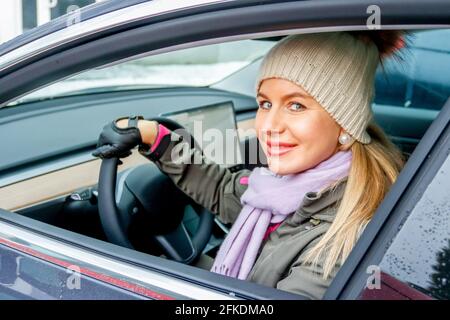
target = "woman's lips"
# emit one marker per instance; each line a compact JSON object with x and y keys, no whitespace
{"x":279,"y":149}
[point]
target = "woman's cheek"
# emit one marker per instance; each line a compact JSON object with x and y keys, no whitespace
{"x":303,"y":132}
{"x":312,"y":137}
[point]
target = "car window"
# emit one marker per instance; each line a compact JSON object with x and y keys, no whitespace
{"x":419,"y":255}
{"x":199,"y":66}
{"x":421,"y":80}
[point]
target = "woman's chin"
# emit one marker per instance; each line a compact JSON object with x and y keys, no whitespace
{"x":279,"y":167}
{"x":286,"y":165}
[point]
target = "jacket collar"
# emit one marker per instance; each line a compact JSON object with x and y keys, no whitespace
{"x":320,"y":205}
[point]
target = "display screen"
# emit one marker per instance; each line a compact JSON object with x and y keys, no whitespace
{"x":214,"y":128}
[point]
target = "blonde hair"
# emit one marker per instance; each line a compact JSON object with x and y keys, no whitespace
{"x":375,"y":167}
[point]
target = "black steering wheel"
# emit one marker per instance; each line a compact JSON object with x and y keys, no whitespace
{"x":147,"y":208}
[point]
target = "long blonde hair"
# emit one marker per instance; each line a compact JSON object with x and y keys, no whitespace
{"x":375,"y":167}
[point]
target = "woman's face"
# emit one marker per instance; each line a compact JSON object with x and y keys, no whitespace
{"x":294,"y":131}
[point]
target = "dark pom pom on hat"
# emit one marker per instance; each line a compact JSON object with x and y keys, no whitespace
{"x":388,"y":42}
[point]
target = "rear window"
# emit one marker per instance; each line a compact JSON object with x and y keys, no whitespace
{"x":422,"y":79}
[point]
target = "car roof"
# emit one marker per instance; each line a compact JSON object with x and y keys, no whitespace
{"x":86,"y":13}
{"x":93,"y":19}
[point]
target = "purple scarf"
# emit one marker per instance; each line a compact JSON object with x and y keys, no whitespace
{"x":270,"y":198}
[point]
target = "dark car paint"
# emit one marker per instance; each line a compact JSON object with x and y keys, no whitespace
{"x":393,"y":289}
{"x":27,"y":276}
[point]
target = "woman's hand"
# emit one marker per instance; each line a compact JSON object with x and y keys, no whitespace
{"x":118,"y":138}
{"x":148,"y":129}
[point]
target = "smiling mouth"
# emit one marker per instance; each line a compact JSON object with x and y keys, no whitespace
{"x":278,"y":150}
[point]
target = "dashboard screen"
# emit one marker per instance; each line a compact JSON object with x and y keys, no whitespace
{"x":214,"y":128}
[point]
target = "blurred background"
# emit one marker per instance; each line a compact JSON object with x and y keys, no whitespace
{"x":18,"y":16}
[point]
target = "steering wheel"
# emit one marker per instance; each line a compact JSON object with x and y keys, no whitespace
{"x":146,"y":207}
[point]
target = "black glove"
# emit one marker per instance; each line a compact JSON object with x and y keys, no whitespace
{"x":115,"y":142}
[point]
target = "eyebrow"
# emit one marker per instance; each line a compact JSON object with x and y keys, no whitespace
{"x":290,"y":95}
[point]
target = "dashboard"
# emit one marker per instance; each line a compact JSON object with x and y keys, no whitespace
{"x":215,"y":130}
{"x":48,"y":151}
{"x":52,"y":134}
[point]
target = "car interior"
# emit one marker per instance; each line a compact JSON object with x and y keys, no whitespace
{"x":60,"y":179}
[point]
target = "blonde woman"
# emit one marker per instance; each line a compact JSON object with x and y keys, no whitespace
{"x":329,"y":167}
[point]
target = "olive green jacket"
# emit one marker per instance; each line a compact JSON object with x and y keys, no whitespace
{"x":279,"y":263}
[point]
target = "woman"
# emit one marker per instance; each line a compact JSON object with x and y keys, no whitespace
{"x":329,"y":167}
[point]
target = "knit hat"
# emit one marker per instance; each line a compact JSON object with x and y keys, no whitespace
{"x":336,"y":68}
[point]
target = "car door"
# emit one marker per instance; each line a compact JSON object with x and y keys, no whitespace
{"x":26,"y":274}
{"x":40,"y":261}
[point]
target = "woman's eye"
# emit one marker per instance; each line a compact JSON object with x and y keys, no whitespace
{"x":295,"y":106}
{"x":264,"y":105}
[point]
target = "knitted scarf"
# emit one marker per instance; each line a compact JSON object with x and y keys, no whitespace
{"x":270,"y":198}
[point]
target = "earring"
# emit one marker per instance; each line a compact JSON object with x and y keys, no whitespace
{"x":344,"y":138}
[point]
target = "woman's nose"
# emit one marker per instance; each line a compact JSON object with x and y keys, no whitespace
{"x":273,"y":122}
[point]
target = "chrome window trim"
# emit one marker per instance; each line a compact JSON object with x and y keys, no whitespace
{"x":114,"y":268}
{"x":267,"y":34}
{"x":112,"y":19}
{"x":10,"y":179}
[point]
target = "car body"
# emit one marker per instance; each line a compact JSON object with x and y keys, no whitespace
{"x":52,"y":245}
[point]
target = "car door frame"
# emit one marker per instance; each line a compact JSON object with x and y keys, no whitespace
{"x":249,"y":20}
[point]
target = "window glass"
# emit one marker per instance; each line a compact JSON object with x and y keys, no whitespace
{"x":420,"y":253}
{"x":422,"y":79}
{"x":61,"y":7}
{"x":199,"y":66}
{"x":29,"y":14}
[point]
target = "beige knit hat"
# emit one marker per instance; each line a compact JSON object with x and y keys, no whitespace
{"x":335,"y":68}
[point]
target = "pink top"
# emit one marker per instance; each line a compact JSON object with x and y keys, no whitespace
{"x":270,"y":229}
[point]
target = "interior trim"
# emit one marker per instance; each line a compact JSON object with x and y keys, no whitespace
{"x":64,"y":181}
{"x":57,"y":183}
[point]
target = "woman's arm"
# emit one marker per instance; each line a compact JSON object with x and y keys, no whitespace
{"x":209,"y":184}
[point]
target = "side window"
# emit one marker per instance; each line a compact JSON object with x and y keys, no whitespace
{"x":419,"y":255}
{"x":421,"y":80}
{"x":61,"y":7}
{"x":196,"y":67}
{"x":411,"y":89}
